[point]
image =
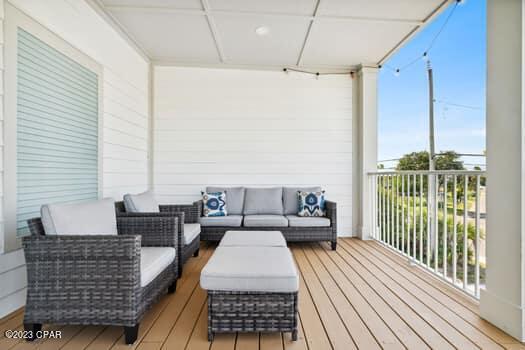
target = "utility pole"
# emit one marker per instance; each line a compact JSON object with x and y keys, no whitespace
{"x":432,"y":190}
{"x":431,"y":116}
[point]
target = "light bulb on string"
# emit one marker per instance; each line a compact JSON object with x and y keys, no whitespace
{"x":397,"y":72}
{"x":425,"y":57}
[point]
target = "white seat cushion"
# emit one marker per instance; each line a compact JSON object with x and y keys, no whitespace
{"x":227,"y":221}
{"x":253,"y":239}
{"x":265,"y":221}
{"x":308,"y":221}
{"x":255,"y":269}
{"x":141,"y":203}
{"x":153,"y":260}
{"x":84,"y":218}
{"x":190,"y":232}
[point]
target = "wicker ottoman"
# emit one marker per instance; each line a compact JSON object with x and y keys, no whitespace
{"x":253,"y":239}
{"x":251,"y":289}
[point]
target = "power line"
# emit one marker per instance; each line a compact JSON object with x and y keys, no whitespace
{"x":425,"y":53}
{"x":454,"y":104}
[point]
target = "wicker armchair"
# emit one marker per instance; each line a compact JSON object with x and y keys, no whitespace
{"x":95,"y":279}
{"x":185,"y":213}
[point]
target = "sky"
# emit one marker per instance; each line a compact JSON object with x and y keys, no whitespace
{"x":458,"y":59}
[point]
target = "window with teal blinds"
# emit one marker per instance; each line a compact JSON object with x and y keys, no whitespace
{"x":57,"y":129}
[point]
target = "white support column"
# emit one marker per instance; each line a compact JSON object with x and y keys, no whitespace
{"x":503,"y":298}
{"x":365,"y":148}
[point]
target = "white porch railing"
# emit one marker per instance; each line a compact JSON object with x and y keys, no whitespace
{"x":436,"y":219}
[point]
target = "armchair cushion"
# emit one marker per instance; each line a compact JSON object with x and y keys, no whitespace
{"x":141,"y":203}
{"x":190,"y":232}
{"x":85,"y":218}
{"x":266,"y":201}
{"x":154,"y":260}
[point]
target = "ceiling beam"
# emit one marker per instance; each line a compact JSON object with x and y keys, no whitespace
{"x":436,"y":12}
{"x":213,"y":29}
{"x":170,"y":62}
{"x":103,"y":12}
{"x":305,"y":42}
{"x":209,"y":11}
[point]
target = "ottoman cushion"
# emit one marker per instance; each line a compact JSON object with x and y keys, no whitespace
{"x":253,"y":239}
{"x":254,"y":269}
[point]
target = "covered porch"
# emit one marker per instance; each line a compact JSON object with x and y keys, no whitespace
{"x":224,"y":112}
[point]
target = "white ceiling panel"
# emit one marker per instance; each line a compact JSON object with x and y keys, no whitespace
{"x":335,"y":42}
{"x":178,"y":4}
{"x":173,"y":36}
{"x":387,"y":9}
{"x":343,"y":34}
{"x":300,"y":7}
{"x":241,"y":45}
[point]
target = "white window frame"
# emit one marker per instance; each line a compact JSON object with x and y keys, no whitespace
{"x":14,"y":19}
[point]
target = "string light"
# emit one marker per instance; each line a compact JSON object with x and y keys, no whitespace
{"x":425,"y":56}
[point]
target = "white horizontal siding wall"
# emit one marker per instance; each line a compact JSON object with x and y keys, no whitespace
{"x":252,"y":128}
{"x":125,"y":118}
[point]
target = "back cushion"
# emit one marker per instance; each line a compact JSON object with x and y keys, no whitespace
{"x":234,"y":198}
{"x":291,"y":199}
{"x":141,"y":203}
{"x":86,"y":218}
{"x":265,"y":201}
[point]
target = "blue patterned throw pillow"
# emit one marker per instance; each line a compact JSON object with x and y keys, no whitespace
{"x":214,"y":204}
{"x":311,"y":203}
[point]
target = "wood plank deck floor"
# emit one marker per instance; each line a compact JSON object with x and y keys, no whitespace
{"x":361,"y":296}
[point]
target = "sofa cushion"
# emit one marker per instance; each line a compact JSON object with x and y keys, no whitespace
{"x":265,"y":221}
{"x":291,"y":199}
{"x":214,"y":204}
{"x":267,"y":201}
{"x":234,"y":198}
{"x":227,"y":221}
{"x":302,"y":221}
{"x":141,"y":203}
{"x":256,"y":269}
{"x":154,"y":260}
{"x":311,"y":204}
{"x":190,"y":232}
{"x":85,"y":218}
{"x":253,"y":239}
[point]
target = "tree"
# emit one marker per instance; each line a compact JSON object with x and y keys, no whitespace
{"x":448,"y":160}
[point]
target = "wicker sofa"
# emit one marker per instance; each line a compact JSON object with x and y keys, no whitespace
{"x":98,"y":279}
{"x":275,"y":214}
{"x":187,"y":218}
